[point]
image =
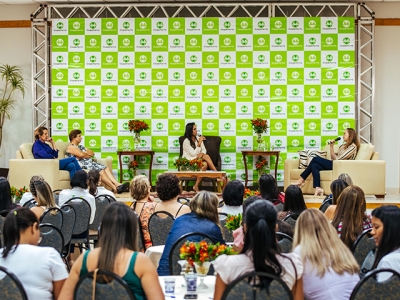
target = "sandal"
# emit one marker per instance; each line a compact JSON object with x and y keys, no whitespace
{"x":318,"y":192}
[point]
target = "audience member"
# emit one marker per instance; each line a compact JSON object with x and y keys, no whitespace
{"x":28,"y":195}
{"x":285,"y":228}
{"x":79,"y":185}
{"x":43,"y":195}
{"x":350,"y":217}
{"x":330,"y":269}
{"x":269,"y":188}
{"x":385,"y":231}
{"x":6,"y":203}
{"x":203,"y":218}
{"x":294,"y":202}
{"x":337,"y":187}
{"x":260,"y":253}
{"x":233,"y":198}
{"x":40,"y":269}
{"x":117,"y":252}
{"x":94,"y":183}
{"x":346,"y":177}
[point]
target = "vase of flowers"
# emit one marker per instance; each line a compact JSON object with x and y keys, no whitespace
{"x":196,"y":164}
{"x":248,"y":193}
{"x":261,"y":165}
{"x":182,"y":164}
{"x":136,"y":127}
{"x":259,"y":126}
{"x":233,"y":222}
{"x":133,"y":165}
{"x":16,"y":194}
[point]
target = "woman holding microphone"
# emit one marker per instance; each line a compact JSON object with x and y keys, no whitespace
{"x":348,"y":150}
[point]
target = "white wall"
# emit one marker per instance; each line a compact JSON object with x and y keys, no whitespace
{"x":387,"y":86}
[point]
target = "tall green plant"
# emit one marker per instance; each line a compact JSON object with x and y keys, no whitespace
{"x":12,"y":81}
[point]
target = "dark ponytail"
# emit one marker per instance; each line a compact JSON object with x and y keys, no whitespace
{"x":93,"y":181}
{"x":17,"y":221}
{"x":260,"y":237}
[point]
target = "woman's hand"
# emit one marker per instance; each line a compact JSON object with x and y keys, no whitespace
{"x":200,"y":155}
{"x":332,"y":142}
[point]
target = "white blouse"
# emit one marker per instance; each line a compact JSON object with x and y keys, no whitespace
{"x":189,"y":152}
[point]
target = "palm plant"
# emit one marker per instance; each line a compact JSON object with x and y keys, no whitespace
{"x":13,"y":81}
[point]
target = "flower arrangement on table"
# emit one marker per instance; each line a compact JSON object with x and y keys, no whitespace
{"x":133,"y":165}
{"x":201,"y":252}
{"x":16,"y":194}
{"x":137,"y":126}
{"x":259,"y":125}
{"x":261,"y":165}
{"x":233,"y":222}
{"x":194,"y":164}
{"x":248,"y":193}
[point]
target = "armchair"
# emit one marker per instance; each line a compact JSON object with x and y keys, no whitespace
{"x":24,"y":166}
{"x":366,"y":171}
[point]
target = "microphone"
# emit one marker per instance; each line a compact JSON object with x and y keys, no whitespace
{"x":337,"y":139}
{"x":199,"y":135}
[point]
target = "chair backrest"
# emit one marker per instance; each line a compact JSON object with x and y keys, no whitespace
{"x":284,"y":241}
{"x":82,"y":214}
{"x":140,"y":237}
{"x":101,"y":205}
{"x":30,"y":203}
{"x":324,"y":206}
{"x":367,"y":264}
{"x":249,"y":286}
{"x":278,"y":204}
{"x":56,"y":194}
{"x":52,"y":216}
{"x":114,"y":287}
{"x":363,"y":245}
{"x":369,"y":288}
{"x":110,"y":198}
{"x":1,"y":230}
{"x":183,"y":200}
{"x":159,"y":227}
{"x":226,"y":233}
{"x":51,"y":237}
{"x":173,"y":256}
{"x":68,"y":225}
{"x":291,"y":219}
{"x":213,"y":149}
{"x":10,"y":286}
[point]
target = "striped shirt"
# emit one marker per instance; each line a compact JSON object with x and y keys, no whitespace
{"x":347,"y":153}
{"x":366,"y":225}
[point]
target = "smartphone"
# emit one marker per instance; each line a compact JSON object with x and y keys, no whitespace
{"x":190,"y":296}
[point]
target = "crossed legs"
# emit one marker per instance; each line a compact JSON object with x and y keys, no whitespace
{"x":207,"y":163}
{"x":108,"y":178}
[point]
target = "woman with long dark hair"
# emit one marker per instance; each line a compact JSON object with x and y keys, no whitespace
{"x":193,"y":147}
{"x":118,"y":253}
{"x":337,"y":187}
{"x":94,"y":183}
{"x":269,"y":188}
{"x":294,"y":202}
{"x":260,"y":253}
{"x":6,"y":203}
{"x":385,"y":231}
{"x":348,"y":150}
{"x":40,"y":269}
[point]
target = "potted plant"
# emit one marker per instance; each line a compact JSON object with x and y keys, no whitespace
{"x":12,"y":81}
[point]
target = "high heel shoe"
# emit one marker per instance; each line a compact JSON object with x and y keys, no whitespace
{"x":318,"y":192}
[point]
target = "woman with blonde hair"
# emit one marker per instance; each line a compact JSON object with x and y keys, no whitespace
{"x":350,"y":218}
{"x":43,"y":195}
{"x":330,"y":269}
{"x":203,"y":218}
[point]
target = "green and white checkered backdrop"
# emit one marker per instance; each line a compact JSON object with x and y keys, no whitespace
{"x":299,"y":73}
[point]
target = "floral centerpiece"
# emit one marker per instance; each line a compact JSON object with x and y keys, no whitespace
{"x":183,"y":164}
{"x":261,"y":165}
{"x":133,"y":165}
{"x":196,"y":164}
{"x":233,"y":222}
{"x":16,"y":194}
{"x":248,"y":193}
{"x":259,"y":127}
{"x":137,"y":126}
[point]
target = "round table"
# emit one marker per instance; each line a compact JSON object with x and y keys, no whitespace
{"x":154,"y":253}
{"x":180,"y":291}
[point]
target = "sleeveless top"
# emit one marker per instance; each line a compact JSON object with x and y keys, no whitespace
{"x":130,"y":277}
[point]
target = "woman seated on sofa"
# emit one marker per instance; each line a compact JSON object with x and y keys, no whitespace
{"x":84,"y":157}
{"x":347,"y":151}
{"x":43,"y":195}
{"x":41,"y":150}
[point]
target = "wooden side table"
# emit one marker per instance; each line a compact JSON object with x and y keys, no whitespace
{"x":135,"y":153}
{"x":262,"y":153}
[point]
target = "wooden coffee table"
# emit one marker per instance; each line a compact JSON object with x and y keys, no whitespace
{"x":197,"y":174}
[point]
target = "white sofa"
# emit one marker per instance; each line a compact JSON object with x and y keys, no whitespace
{"x":366,"y":171}
{"x":24,"y":166}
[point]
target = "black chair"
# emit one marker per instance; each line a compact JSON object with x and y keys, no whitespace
{"x":140,"y":237}
{"x":67,"y":229}
{"x":109,"y":286}
{"x":52,"y":216}
{"x":51,"y":237}
{"x":363,"y":245}
{"x":284,"y":241}
{"x":367,"y":264}
{"x":80,"y":234}
{"x":173,"y":256}
{"x":226,"y":233}
{"x":10,"y":286}
{"x":183,"y":200}
{"x":160,"y":223}
{"x":30,"y":203}
{"x":370,"y":288}
{"x":278,"y":205}
{"x":213,"y":150}
{"x":110,"y":198}
{"x":102,"y":203}
{"x":324,"y":206}
{"x":291,"y":219}
{"x":249,"y":286}
{"x":56,"y":194}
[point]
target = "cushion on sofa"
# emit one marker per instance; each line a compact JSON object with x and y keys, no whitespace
{"x":365,"y":152}
{"x":307,"y":155}
{"x":26,"y":150}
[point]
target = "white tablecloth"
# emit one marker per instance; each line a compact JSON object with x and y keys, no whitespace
{"x":180,"y":291}
{"x":154,"y":253}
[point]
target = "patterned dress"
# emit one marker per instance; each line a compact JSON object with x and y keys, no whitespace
{"x":86,"y":163}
